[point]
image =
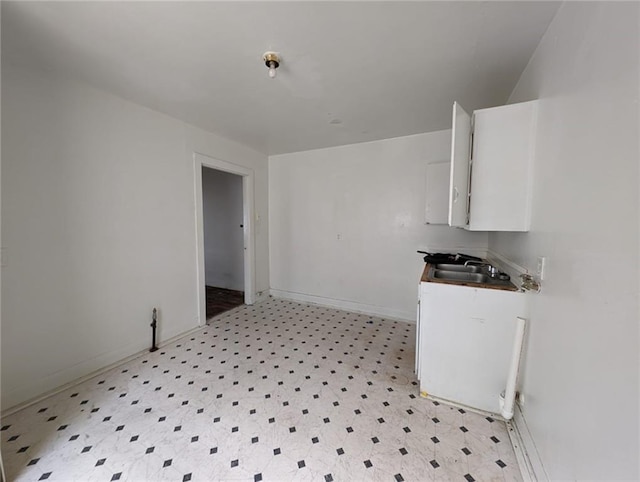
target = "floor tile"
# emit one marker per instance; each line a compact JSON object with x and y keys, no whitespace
{"x":278,"y":391}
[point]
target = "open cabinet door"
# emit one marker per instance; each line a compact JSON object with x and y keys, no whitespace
{"x":459,"y":180}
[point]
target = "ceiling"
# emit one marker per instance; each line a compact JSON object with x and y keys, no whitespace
{"x":351,"y":71}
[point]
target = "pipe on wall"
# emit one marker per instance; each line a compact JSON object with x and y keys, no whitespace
{"x":507,"y":404}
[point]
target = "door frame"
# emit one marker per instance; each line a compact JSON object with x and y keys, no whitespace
{"x":200,"y":161}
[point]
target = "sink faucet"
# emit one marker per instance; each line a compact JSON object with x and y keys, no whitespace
{"x":493,"y":271}
{"x":470,"y":262}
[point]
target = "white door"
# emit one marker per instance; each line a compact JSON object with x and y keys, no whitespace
{"x":460,"y":157}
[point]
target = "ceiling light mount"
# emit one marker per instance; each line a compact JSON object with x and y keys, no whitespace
{"x":272,"y":61}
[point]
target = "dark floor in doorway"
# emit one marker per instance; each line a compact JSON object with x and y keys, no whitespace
{"x":220,"y":300}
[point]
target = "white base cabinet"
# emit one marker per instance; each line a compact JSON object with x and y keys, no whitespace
{"x":465,"y":339}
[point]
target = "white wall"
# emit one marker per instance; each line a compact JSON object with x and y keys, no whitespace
{"x":346,"y":222}
{"x":98,"y":221}
{"x":581,"y":379}
{"x":223,"y":234}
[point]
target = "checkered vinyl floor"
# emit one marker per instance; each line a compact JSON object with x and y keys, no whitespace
{"x":279,"y":391}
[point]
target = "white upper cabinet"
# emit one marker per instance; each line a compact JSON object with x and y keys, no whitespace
{"x":497,"y":170}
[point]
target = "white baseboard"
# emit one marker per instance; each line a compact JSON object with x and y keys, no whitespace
{"x":262,"y":296}
{"x":527,"y":454}
{"x":345,"y":305}
{"x":479,"y":411}
{"x":91,"y":368}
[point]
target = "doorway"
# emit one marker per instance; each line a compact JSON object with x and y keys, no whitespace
{"x":224,"y":210}
{"x":223,"y":240}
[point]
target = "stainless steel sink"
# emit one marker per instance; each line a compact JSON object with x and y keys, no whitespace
{"x":482,"y":274}
{"x":459,"y":267}
{"x":460,"y":276}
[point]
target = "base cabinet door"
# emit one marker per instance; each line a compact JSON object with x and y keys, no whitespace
{"x":466,"y":342}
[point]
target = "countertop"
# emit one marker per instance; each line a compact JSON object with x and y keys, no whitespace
{"x":507,"y":286}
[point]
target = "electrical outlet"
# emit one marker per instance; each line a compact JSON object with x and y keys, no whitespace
{"x":540,"y":269}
